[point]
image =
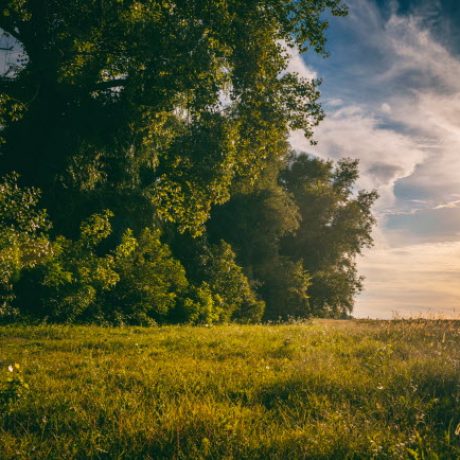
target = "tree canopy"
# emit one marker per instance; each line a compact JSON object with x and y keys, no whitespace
{"x":164,"y":124}
{"x":299,"y":236}
{"x":152,"y":107}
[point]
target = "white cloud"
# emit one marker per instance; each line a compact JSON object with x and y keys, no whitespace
{"x":401,"y":119}
{"x":413,"y":49}
{"x":449,"y":205}
{"x":334,"y":102}
{"x":351,"y":132}
{"x":297,"y":64}
{"x":422,"y":107}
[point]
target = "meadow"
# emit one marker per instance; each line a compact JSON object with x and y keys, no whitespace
{"x":316,"y":390}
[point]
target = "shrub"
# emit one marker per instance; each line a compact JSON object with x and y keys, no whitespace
{"x":150,"y":279}
{"x":203,"y":306}
{"x":68,"y":286}
{"x":231,"y":286}
{"x":24,"y":241}
{"x":135,"y":283}
{"x":219,"y":290}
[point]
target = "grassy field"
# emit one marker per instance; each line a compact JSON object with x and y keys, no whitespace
{"x":322,"y":389}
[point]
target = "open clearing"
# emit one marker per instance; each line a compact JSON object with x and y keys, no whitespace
{"x":321,"y":389}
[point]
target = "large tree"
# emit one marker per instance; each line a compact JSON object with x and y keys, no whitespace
{"x":151,"y":108}
{"x":167,"y":113}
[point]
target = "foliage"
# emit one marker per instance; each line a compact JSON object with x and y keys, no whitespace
{"x":171,"y":118}
{"x":122,"y":101}
{"x":137,"y":282}
{"x":23,"y":235}
{"x":322,"y":390}
{"x":336,"y":223}
{"x":286,"y":289}
{"x":219,"y":290}
{"x":68,"y":286}
{"x":231,"y":287}
{"x":259,"y":220}
{"x":150,"y":280}
{"x":297,"y":235}
{"x":203,"y":306}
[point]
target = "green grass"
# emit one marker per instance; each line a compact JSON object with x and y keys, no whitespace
{"x":323,"y":389}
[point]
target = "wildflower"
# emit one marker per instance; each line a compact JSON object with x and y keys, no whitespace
{"x":380,"y":387}
{"x":10,"y":368}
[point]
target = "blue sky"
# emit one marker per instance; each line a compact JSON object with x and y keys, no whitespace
{"x":391,"y":91}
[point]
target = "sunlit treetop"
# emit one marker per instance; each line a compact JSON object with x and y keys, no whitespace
{"x":160,"y":105}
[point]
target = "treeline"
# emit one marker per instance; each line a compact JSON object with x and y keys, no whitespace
{"x":155,"y":136}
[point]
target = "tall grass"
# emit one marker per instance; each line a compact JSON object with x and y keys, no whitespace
{"x":323,"y":389}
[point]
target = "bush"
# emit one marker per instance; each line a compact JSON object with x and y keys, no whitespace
{"x":68,"y":286}
{"x":136,"y":283}
{"x":231,"y":286}
{"x":219,"y":290}
{"x":150,"y":279}
{"x":24,"y":241}
{"x":203,"y":306}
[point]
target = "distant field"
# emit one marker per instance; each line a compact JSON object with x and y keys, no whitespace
{"x":323,"y":389}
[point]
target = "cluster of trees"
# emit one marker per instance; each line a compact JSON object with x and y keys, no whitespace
{"x":154,"y":134}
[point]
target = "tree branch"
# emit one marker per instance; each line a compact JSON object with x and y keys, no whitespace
{"x":8,"y":83}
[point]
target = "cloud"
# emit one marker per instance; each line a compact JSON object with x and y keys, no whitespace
{"x":413,"y":134}
{"x":449,"y":205}
{"x":385,"y":155}
{"x":416,"y":56}
{"x":297,"y":64}
{"x":334,"y":102}
{"x":399,"y":114}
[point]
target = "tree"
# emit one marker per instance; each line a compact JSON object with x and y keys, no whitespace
{"x":258,"y":221}
{"x":118,"y":104}
{"x":297,"y":234}
{"x":165,"y":112}
{"x":286,"y":290}
{"x":254,"y":224}
{"x":336,"y":223}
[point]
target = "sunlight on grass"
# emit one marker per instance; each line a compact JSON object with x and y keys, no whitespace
{"x":323,"y":389}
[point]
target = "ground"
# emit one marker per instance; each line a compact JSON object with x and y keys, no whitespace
{"x":316,"y":390}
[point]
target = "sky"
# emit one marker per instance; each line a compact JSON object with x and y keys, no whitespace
{"x":391,"y":93}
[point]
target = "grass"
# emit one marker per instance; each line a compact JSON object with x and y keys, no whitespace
{"x":320,"y":390}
